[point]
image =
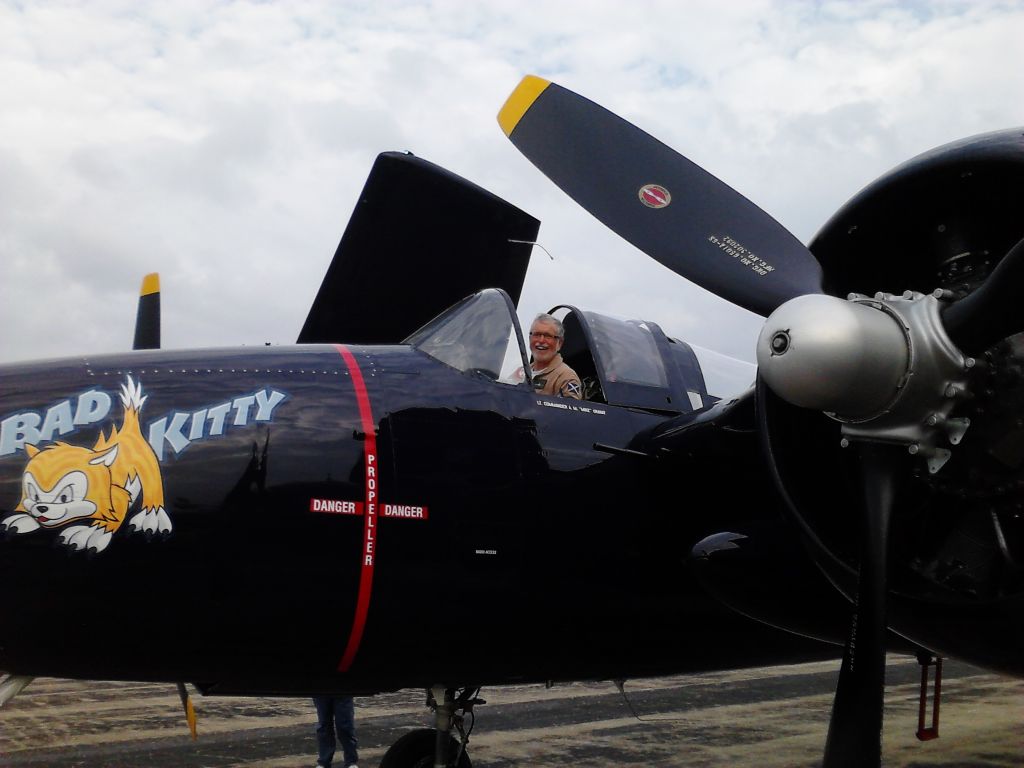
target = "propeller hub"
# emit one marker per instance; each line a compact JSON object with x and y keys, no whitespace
{"x":883,"y":366}
{"x":825,"y":353}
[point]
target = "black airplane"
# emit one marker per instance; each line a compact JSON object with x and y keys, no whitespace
{"x":386,"y":514}
{"x":376,"y":508}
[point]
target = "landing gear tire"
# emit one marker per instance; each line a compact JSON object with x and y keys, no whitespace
{"x":416,"y":750}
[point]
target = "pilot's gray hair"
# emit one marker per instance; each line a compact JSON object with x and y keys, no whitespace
{"x":544,"y":317}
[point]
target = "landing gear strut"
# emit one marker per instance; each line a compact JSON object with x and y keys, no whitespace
{"x":437,"y":747}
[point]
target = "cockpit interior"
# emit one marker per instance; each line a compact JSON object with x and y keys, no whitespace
{"x":630,"y":363}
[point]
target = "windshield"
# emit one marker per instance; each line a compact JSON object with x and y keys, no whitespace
{"x":478,"y":334}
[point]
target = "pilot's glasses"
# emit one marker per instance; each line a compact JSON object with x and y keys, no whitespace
{"x":543,"y":335}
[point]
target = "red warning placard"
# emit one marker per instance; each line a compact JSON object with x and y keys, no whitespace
{"x":336,"y":506}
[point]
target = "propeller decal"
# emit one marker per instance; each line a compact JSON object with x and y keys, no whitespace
{"x":654,"y":196}
{"x":370,"y":516}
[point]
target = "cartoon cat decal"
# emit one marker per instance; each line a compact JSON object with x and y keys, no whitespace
{"x":94,"y":488}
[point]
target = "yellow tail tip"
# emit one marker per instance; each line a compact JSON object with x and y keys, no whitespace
{"x":150,"y":284}
{"x":520,"y":101}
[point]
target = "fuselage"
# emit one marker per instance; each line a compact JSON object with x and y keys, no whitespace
{"x":363,"y":518}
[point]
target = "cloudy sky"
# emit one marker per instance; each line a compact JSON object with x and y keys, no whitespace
{"x":224,"y":144}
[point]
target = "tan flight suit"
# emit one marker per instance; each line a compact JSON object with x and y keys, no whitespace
{"x":558,"y":379}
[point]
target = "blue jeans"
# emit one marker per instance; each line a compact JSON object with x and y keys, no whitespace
{"x":335,"y":715}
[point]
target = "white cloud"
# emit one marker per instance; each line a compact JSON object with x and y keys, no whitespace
{"x":224,"y":144}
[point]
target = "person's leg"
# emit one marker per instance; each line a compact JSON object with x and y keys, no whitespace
{"x":325,"y":742}
{"x":344,"y":720}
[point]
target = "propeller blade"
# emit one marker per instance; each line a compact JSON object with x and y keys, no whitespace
{"x":993,"y":310}
{"x":665,"y":205}
{"x":11,"y":686}
{"x":855,"y":730}
{"x":147,"y":317}
{"x":190,"y":712}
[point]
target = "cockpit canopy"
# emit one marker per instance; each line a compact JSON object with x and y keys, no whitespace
{"x":629,"y":363}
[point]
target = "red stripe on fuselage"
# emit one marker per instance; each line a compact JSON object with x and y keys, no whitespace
{"x":367,"y":553}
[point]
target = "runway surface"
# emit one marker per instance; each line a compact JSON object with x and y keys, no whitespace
{"x":761,"y":717}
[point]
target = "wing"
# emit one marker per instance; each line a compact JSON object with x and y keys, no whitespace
{"x":420,"y":239}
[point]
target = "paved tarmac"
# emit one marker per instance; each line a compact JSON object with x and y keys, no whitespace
{"x":768,"y":718}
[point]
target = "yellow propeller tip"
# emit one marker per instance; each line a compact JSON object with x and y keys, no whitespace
{"x":150,"y":284}
{"x":521,"y":99}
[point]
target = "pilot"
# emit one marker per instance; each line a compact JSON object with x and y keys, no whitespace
{"x":550,"y":374}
